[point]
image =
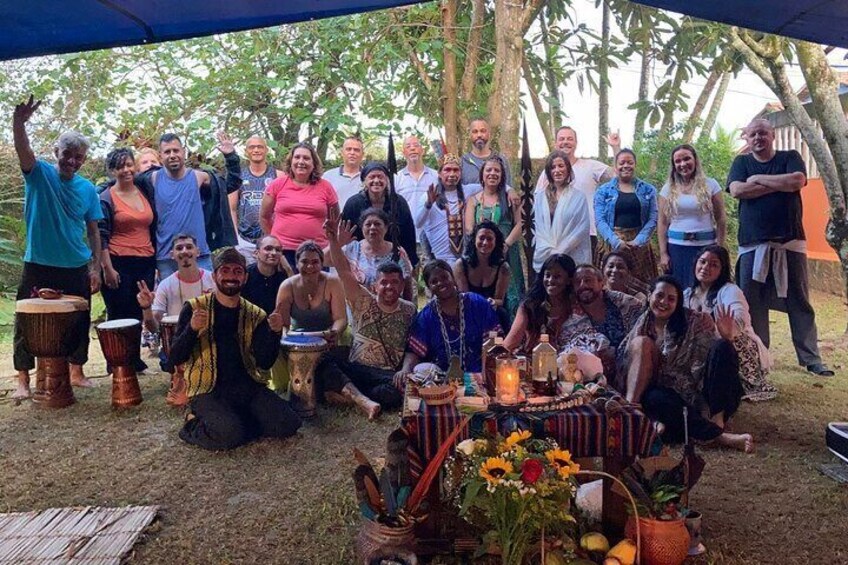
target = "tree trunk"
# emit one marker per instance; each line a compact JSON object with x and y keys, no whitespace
{"x":712,"y":115}
{"x":824,"y":92}
{"x":504,"y":101}
{"x":449,"y":90}
{"x":700,"y":104}
{"x":472,"y":51}
{"x":552,"y":85}
{"x":543,"y":117}
{"x":603,"y":83}
{"x":644,"y":84}
{"x":668,"y":113}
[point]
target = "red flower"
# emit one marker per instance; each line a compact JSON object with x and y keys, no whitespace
{"x":531,"y":470}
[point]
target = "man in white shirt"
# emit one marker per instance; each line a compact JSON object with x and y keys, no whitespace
{"x":345,"y":179}
{"x":412,"y":181}
{"x":588,"y":173}
{"x":440,"y":220}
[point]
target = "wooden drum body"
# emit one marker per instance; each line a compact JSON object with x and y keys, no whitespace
{"x":49,"y":330}
{"x":177,"y":391}
{"x":303,"y":353}
{"x":121,"y":344}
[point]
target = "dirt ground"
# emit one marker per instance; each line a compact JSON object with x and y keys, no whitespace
{"x":291,"y":502}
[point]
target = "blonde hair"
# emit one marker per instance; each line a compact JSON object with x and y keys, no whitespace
{"x":698,"y":182}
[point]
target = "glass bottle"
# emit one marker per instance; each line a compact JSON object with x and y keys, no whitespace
{"x":544,"y":363}
{"x":497,"y":350}
{"x":488,"y":343}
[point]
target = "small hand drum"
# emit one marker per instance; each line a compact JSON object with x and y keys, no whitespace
{"x":121,"y":344}
{"x":50,"y":332}
{"x":177,"y":391}
{"x":303,"y":353}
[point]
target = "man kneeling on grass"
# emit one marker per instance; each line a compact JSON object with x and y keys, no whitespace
{"x":223,"y":339}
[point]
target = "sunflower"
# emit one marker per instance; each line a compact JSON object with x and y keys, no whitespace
{"x":561,"y":460}
{"x":515,"y":438}
{"x":495,"y":468}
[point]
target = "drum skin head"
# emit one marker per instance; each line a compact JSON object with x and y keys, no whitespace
{"x":115,"y":324}
{"x":170,"y":320}
{"x":303,"y":341}
{"x":54,"y":306}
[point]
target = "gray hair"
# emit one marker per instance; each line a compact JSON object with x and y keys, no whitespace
{"x":72,"y":140}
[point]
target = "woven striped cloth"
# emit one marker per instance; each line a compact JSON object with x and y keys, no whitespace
{"x":586,"y":431}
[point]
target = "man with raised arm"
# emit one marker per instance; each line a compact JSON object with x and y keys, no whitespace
{"x":380,"y":324}
{"x":772,"y":264}
{"x":61,"y":208}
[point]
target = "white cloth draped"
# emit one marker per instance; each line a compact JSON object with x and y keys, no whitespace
{"x":568,"y":233}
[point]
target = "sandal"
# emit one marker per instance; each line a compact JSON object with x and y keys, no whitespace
{"x":820,"y":370}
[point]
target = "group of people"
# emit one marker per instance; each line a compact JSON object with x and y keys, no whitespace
{"x":243,"y":258}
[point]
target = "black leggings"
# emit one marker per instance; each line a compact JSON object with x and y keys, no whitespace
{"x":722,"y":392}
{"x":334,"y":372}
{"x":121,"y":302}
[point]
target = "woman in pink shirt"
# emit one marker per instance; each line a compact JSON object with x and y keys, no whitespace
{"x":296,"y":204}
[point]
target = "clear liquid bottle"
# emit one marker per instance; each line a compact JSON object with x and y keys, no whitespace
{"x":544,"y":362}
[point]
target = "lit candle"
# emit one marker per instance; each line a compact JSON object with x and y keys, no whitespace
{"x":507,"y":381}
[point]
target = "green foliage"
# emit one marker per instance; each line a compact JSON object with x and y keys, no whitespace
{"x":715,"y":153}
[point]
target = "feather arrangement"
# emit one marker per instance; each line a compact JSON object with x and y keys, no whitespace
{"x":422,"y":487}
{"x":397,"y":463}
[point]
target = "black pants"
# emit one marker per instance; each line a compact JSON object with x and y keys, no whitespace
{"x":121,"y":302}
{"x":68,"y":280}
{"x":334,"y":372}
{"x":722,"y":392}
{"x":226,"y":419}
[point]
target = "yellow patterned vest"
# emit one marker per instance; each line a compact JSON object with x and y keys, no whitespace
{"x":201,"y":368}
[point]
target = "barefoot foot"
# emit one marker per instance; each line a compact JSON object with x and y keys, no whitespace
{"x":22,"y":392}
{"x":740,"y":442}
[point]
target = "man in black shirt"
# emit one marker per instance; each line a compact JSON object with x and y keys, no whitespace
{"x":772,"y":265}
{"x":266,"y":275}
{"x":223,"y":340}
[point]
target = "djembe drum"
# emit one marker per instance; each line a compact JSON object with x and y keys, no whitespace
{"x":303,"y":353}
{"x":120,"y":341}
{"x":50,"y":333}
{"x":177,"y":391}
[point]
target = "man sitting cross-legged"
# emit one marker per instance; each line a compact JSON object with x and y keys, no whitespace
{"x":381,"y":321}
{"x":223,"y":339}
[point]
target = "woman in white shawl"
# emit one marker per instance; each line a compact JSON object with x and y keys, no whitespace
{"x":561,"y":215}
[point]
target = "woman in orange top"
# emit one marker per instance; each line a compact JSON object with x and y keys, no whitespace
{"x":127,"y":234}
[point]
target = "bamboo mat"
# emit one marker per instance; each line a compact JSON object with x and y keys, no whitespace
{"x":88,"y":535}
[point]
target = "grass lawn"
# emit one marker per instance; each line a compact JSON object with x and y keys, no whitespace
{"x":292,"y":501}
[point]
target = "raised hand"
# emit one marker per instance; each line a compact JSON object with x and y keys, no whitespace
{"x":346,"y":231}
{"x":225,"y":143}
{"x":25,"y":110}
{"x":725,"y":322}
{"x":331,"y":224}
{"x":432,"y":194}
{"x":145,"y":296}
{"x":613,"y":139}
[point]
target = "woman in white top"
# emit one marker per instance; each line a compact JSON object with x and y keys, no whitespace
{"x":561,"y":215}
{"x":712,"y":291}
{"x":691,"y":215}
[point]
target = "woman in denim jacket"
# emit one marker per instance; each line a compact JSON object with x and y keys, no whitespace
{"x":626,"y":217}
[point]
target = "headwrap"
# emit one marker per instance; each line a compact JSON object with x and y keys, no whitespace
{"x":228,"y":255}
{"x":449,"y":158}
{"x":372,"y":166}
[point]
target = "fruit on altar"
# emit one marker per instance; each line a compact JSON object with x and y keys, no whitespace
{"x":624,"y":551}
{"x":594,"y":541}
{"x":611,"y":561}
{"x":555,"y":558}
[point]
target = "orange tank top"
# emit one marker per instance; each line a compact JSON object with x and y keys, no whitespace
{"x":130,"y":228}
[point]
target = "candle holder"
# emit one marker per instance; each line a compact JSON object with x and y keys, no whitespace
{"x":507,"y":382}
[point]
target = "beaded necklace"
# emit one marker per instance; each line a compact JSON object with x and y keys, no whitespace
{"x":448,"y":342}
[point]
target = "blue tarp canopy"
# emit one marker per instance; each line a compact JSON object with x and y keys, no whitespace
{"x":46,"y":27}
{"x":819,"y":21}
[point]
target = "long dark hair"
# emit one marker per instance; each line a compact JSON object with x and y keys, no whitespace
{"x":677,"y":324}
{"x":497,"y":256}
{"x":549,"y":165}
{"x":724,"y":276}
{"x":503,"y":199}
{"x":537,"y":296}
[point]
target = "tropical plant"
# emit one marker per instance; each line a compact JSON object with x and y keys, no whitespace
{"x":515,"y":488}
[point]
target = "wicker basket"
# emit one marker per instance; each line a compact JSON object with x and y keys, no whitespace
{"x":437,"y":395}
{"x":664,"y":542}
{"x":377,"y":540}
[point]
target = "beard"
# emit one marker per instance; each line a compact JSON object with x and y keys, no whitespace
{"x":479,"y":144}
{"x":230,"y":290}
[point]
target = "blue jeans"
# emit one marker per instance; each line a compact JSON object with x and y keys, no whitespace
{"x":168,"y":267}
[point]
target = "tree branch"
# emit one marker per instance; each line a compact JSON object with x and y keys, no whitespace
{"x":472,"y":50}
{"x":537,"y":103}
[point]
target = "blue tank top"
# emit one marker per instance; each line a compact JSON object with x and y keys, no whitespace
{"x":250,"y":201}
{"x":179,"y":210}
